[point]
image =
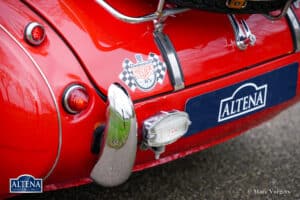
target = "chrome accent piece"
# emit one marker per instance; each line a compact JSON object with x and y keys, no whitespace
{"x":120,"y":140}
{"x":296,"y":4}
{"x":163,"y":129}
{"x":295,"y":26}
{"x":66,"y":96}
{"x":243,"y":35}
{"x":52,"y":95}
{"x":146,"y":18}
{"x":160,"y":7}
{"x":170,"y":57}
{"x":282,"y":12}
{"x":28,"y":33}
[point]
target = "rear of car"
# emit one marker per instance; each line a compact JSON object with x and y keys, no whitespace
{"x":100,"y":97}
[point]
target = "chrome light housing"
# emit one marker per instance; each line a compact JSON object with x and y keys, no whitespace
{"x":163,"y":129}
{"x":34,"y":33}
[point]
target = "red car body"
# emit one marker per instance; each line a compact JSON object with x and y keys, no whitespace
{"x":86,"y":45}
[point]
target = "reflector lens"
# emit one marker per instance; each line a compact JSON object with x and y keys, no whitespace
{"x":34,"y":33}
{"x":37,"y":33}
{"x":76,"y":99}
{"x":170,"y":129}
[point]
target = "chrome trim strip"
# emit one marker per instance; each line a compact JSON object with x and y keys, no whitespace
{"x":160,"y":6}
{"x":120,"y":140}
{"x":295,"y":28}
{"x":169,"y":54}
{"x":52,"y":95}
{"x":146,"y":18}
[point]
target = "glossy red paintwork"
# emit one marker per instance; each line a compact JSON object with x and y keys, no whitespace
{"x":61,"y":69}
{"x":203,"y":54}
{"x":27,"y":115}
{"x":85,"y":45}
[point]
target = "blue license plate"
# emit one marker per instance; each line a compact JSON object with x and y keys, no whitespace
{"x":242,"y":99}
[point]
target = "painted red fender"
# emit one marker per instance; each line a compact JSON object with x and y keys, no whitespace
{"x":28,"y":112}
{"x":38,"y":136}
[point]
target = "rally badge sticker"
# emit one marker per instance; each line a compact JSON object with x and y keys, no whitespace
{"x":143,"y":74}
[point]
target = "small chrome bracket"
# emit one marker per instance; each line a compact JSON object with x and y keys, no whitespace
{"x":295,"y":28}
{"x":296,"y":4}
{"x":282,"y":12}
{"x":242,"y":32}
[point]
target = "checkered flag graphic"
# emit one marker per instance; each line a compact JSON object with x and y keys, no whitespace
{"x":127,"y":75}
{"x":159,"y":67}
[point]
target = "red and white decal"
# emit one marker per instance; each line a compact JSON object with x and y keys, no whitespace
{"x":144,"y":74}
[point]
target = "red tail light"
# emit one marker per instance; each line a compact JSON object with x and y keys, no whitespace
{"x":34,"y":33}
{"x":76,"y":99}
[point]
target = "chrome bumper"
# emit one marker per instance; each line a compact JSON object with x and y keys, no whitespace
{"x":120,"y":140}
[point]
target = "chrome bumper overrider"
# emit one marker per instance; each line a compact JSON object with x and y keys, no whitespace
{"x":120,"y":140}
